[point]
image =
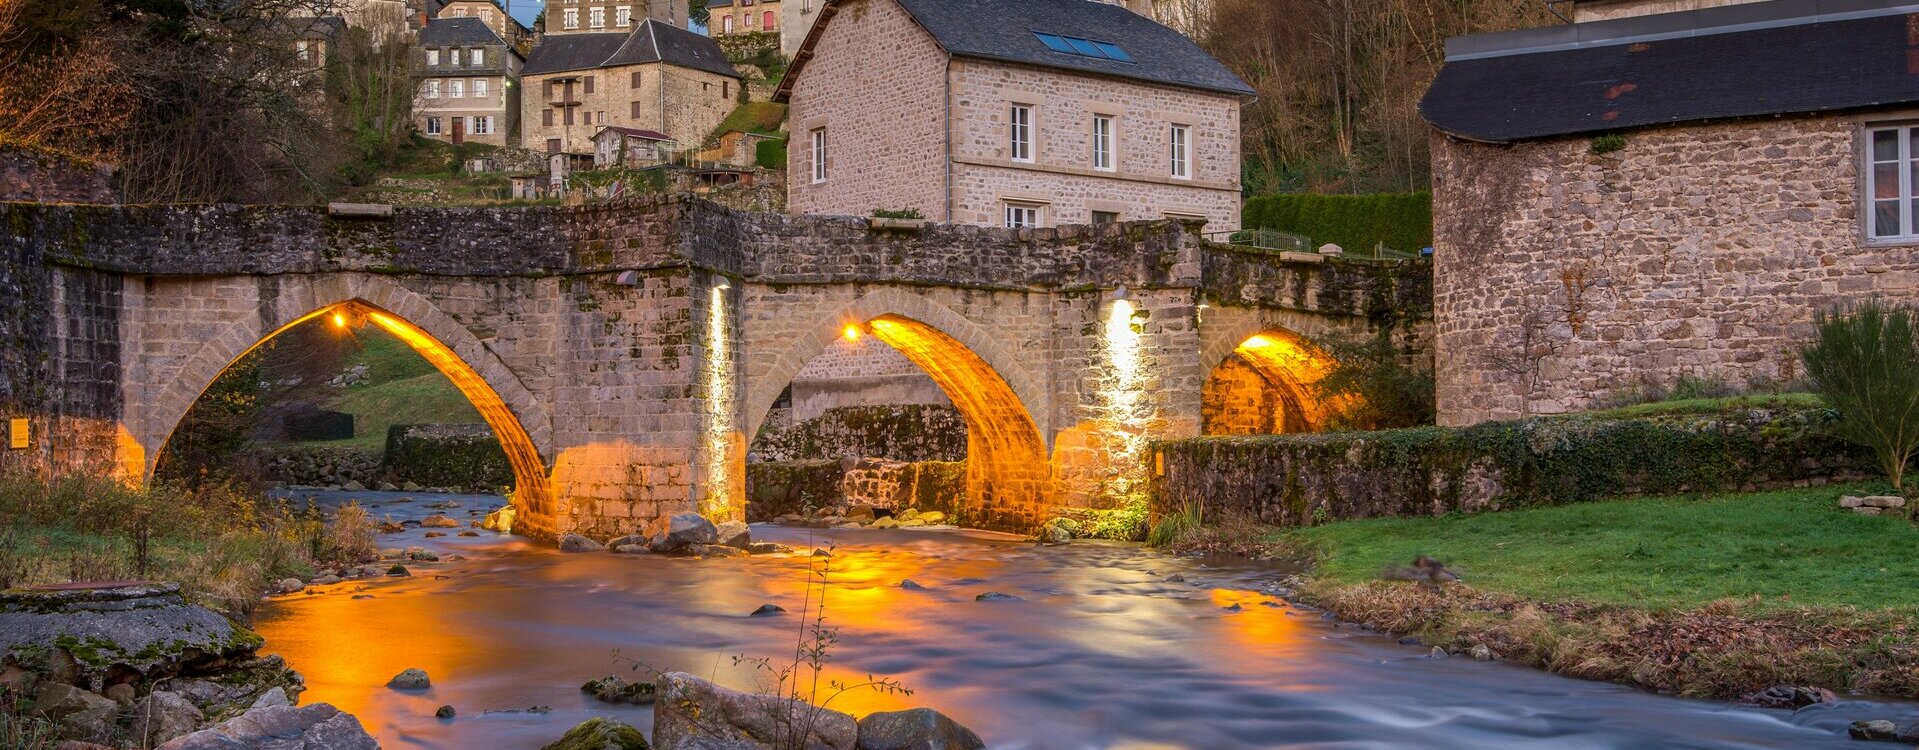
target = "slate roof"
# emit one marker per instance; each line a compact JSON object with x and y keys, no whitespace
{"x":651,"y":135}
{"x":1003,"y":30}
{"x":1713,"y":73}
{"x":651,"y":42}
{"x":458,"y":31}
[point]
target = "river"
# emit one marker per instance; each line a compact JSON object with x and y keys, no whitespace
{"x":1100,"y":652}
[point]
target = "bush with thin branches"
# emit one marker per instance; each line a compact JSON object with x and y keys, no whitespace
{"x":1865,"y":364}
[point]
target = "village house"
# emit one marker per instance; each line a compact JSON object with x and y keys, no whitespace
{"x":630,"y":147}
{"x":656,"y":77}
{"x":469,"y":82}
{"x":1668,"y":191}
{"x":491,"y":13}
{"x":1018,"y":113}
{"x":601,"y":16}
{"x":726,"y":17}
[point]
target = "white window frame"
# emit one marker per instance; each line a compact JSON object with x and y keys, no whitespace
{"x":726,"y":25}
{"x":1019,"y":133}
{"x":433,"y":57}
{"x":1179,"y":141}
{"x":1023,"y":215}
{"x":1905,"y":160}
{"x":301,"y":48}
{"x":596,"y":17}
{"x":571,"y":18}
{"x":819,"y":155}
{"x":433,"y":126}
{"x":479,"y":88}
{"x":456,"y":88}
{"x":623,"y":15}
{"x":480,"y":125}
{"x":432,"y":88}
{"x":1104,"y":159}
{"x":477,"y":58}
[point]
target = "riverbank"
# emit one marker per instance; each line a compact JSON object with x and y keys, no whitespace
{"x":1720,"y":596}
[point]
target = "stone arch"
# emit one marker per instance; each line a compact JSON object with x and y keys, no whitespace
{"x":520,"y":422}
{"x":1263,"y":383}
{"x":1224,"y":329}
{"x":1008,"y":475}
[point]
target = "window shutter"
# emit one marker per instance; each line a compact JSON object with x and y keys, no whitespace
{"x":636,"y":81}
{"x":636,"y":107}
{"x":547,"y":117}
{"x":589,"y":84}
{"x":549,"y":94}
{"x":569,"y":115}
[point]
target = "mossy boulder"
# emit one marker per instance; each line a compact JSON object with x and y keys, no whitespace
{"x":601,"y":734}
{"x":93,"y":635}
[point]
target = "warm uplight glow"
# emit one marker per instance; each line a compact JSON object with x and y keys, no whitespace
{"x":339,"y":321}
{"x":719,"y":438}
{"x":852,"y":333}
{"x":1267,"y":386}
{"x":1122,"y":395}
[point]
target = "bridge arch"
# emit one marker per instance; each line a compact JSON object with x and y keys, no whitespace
{"x":1265,"y":383}
{"x":516,"y":418}
{"x":1008,"y":474}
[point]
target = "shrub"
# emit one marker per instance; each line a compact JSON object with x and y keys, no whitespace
{"x":1865,"y":364}
{"x":1402,"y":221}
{"x":904,"y":213}
{"x":350,"y":538}
{"x":1377,"y":385}
{"x":770,"y":154}
{"x":1608,"y":143}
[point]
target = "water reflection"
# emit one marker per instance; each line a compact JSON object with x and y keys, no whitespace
{"x":1102,"y":652}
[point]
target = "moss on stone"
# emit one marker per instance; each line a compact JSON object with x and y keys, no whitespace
{"x":601,"y":734}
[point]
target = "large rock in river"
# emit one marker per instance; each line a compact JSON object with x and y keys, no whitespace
{"x":915,"y":729}
{"x":693,"y":714}
{"x":679,"y":531}
{"x":92,"y":635}
{"x":316,"y":727}
{"x":600,"y":734}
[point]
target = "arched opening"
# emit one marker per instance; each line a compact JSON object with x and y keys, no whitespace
{"x":1006,"y":479}
{"x":530,"y":485}
{"x":1267,"y":385}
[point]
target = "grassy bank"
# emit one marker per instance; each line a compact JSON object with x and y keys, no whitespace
{"x":224,"y":547}
{"x":1715,"y":596}
{"x":401,"y":388}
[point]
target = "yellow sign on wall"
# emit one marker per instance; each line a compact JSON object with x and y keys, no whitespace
{"x":17,"y":430}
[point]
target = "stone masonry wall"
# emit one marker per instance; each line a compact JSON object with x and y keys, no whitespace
{"x":30,"y":175}
{"x":884,"y":124}
{"x":694,"y":103}
{"x":912,"y":432}
{"x":1563,"y":276}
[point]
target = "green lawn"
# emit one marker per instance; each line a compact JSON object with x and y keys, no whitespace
{"x":1706,"y":405}
{"x":402,"y":388}
{"x":1793,"y":547}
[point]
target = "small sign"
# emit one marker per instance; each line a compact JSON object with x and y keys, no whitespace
{"x":17,"y":430}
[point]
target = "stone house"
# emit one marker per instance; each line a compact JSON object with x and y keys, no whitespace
{"x":469,"y":86}
{"x":1669,"y":191}
{"x":632,"y":147}
{"x":739,"y":148}
{"x":1020,"y":113}
{"x":491,"y":13}
{"x":742,"y":17}
{"x":656,"y":77}
{"x":603,"y":16}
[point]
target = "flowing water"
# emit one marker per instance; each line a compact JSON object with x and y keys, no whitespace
{"x":1101,"y":652}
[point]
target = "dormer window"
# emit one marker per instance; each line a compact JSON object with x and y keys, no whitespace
{"x":433,"y":57}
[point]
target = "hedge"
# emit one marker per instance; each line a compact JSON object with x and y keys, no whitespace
{"x":770,"y":154}
{"x":1306,"y":479}
{"x":1404,"y":221}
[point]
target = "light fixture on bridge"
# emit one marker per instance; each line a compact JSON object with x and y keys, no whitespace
{"x":723,"y":286}
{"x":852,"y":333}
{"x":628,"y":278}
{"x":339,"y":320}
{"x":1122,"y":293}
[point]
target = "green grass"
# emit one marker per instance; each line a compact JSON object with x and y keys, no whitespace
{"x":1790,"y":548}
{"x":754,"y":117}
{"x":402,"y":388}
{"x":1707,"y":405}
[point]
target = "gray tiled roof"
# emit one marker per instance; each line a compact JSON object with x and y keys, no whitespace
{"x":651,"y":42}
{"x":1003,"y":30}
{"x":458,"y":32}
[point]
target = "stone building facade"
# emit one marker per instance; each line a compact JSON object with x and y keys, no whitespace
{"x":987,"y":122}
{"x":1577,"y":261}
{"x":598,"y":16}
{"x":655,"y":78}
{"x":468,"y":79}
{"x":491,"y":13}
{"x":727,"y":17}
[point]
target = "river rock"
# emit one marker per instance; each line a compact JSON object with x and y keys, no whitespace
{"x":633,"y":549}
{"x":933,"y":517}
{"x":439,"y":521}
{"x":353,"y":486}
{"x":733,"y":534}
{"x":272,"y":698}
{"x":76,"y":713}
{"x":1885,"y":731}
{"x":422,"y":554}
{"x":162,"y":716}
{"x":995,"y":596}
{"x":768,"y":609}
{"x":623,"y":541}
{"x":601,"y":733}
{"x":862,"y":513}
{"x":911,"y":585}
{"x":713,"y":550}
{"x":1790,"y":696}
{"x":500,"y":520}
{"x":915,"y":729}
{"x":147,"y":630}
{"x":693,"y":714}
{"x":767,"y":548}
{"x":1480,"y":652}
{"x":912,"y":523}
{"x":316,"y":727}
{"x":614,"y":689}
{"x":288,"y":586}
{"x":444,"y":712}
{"x":411,"y":679}
{"x":886,"y":523}
{"x":681,"y":530}
{"x":577,"y":543}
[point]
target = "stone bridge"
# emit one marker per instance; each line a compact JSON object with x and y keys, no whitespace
{"x":626,"y":353}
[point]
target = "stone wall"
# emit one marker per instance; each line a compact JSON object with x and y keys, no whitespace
{"x":1294,"y":480}
{"x":1564,"y":275}
{"x":912,"y":432}
{"x":777,"y":488}
{"x":445,"y":455}
{"x":47,"y":177}
{"x":861,"y":372}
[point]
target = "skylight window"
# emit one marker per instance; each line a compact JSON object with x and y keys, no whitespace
{"x":1072,"y":45}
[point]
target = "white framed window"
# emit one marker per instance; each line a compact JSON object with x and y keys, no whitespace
{"x":1892,"y":183}
{"x":479,"y":87}
{"x":819,"y":155}
{"x":623,"y":15}
{"x":1180,"y":143}
{"x":1103,"y":143}
{"x":455,"y":88}
{"x":1105,"y":217}
{"x":300,"y":48}
{"x":433,"y":57}
{"x":480,"y":125}
{"x":726,"y":25}
{"x":433,"y":126}
{"x":571,"y":19}
{"x":479,"y":57}
{"x":432,"y":88}
{"x":1019,"y":142}
{"x":1022,"y":216}
{"x":596,"y":18}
